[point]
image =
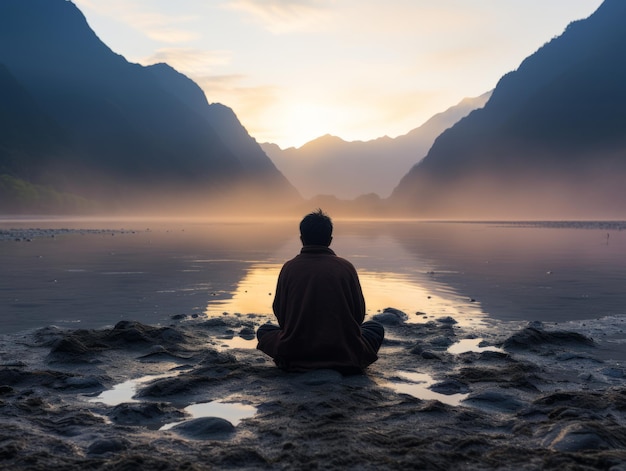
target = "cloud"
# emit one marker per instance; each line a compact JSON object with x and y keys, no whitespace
{"x":141,"y":16}
{"x":193,"y":62}
{"x":286,"y":16}
{"x":159,"y":28}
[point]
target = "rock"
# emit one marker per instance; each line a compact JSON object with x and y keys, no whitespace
{"x":450,"y":386}
{"x":69,"y":345}
{"x":247,"y":333}
{"x":215,"y":322}
{"x":136,"y":334}
{"x":491,"y":355}
{"x":428,"y":355}
{"x":205,"y":428}
{"x":441,"y":342}
{"x":534,"y":335}
{"x":391,"y":316}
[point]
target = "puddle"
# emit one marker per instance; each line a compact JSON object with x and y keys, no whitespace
{"x":471,"y":345}
{"x":238,"y":342}
{"x":231,"y":411}
{"x":124,"y":392}
{"x":417,"y":384}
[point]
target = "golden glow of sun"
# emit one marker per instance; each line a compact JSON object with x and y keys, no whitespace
{"x":305,"y":121}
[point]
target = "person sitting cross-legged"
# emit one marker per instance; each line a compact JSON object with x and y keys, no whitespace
{"x":320,"y":309}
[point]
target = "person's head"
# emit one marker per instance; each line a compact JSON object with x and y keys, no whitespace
{"x":316,"y":228}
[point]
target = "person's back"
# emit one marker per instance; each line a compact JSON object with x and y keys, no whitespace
{"x":320,"y":309}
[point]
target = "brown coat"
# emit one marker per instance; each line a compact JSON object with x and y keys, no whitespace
{"x":320,"y":308}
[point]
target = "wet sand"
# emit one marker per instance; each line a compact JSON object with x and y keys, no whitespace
{"x":530,"y":397}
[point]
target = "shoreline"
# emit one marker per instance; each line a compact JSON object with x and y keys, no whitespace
{"x":536,"y":397}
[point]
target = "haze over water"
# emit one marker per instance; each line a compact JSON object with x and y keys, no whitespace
{"x":150,"y":271}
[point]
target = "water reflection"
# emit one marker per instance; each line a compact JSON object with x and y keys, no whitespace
{"x":470,"y":271}
{"x":125,"y":392}
{"x":526,"y":271}
{"x":152,"y":271}
{"x":418,"y":384}
{"x":234,"y":412}
{"x":416,"y":294}
{"x":238,"y":342}
{"x":254,"y":294}
{"x":471,"y":345}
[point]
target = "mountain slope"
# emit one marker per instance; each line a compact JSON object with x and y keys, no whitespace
{"x":29,"y":138}
{"x":126,"y":128}
{"x":550,"y":142}
{"x":329,"y":165}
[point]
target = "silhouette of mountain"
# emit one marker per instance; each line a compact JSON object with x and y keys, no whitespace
{"x":329,"y":165}
{"x":86,"y":120}
{"x":29,"y":137}
{"x":550,"y":141}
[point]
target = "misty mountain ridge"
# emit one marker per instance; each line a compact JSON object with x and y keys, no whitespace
{"x":330,"y":165}
{"x":550,"y":142}
{"x":75,"y":117}
{"x":81,"y":118}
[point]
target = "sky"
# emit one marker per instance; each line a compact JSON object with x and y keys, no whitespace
{"x":294,"y":70}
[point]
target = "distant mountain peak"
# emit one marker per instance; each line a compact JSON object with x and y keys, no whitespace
{"x":347,"y":169}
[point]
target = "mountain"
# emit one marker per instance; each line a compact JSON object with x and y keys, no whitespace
{"x":331,"y":166}
{"x":83,"y":119}
{"x":550,"y":142}
{"x":29,"y":137}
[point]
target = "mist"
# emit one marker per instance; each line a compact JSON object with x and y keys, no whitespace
{"x":589,"y":196}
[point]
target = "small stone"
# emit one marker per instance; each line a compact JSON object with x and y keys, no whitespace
{"x":391,"y":316}
{"x":205,"y":428}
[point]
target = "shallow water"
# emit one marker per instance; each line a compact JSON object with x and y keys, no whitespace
{"x":151,"y":270}
{"x":418,"y":385}
{"x":124,"y":392}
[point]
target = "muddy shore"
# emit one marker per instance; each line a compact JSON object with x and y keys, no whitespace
{"x":537,"y":397}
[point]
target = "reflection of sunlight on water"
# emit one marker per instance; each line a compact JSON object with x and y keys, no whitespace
{"x":255,"y":294}
{"x":417,"y":384}
{"x":231,"y":411}
{"x":471,"y":345}
{"x":238,"y":342}
{"x":382,"y":290}
{"x":125,"y":391}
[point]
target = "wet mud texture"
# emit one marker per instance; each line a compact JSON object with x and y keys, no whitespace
{"x":545,"y":401}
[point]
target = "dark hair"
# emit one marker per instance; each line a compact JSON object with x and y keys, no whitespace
{"x":316,"y":228}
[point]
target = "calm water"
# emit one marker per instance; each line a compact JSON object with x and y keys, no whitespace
{"x":150,"y":271}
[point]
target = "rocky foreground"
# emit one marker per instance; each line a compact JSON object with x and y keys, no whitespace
{"x":544,"y":399}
